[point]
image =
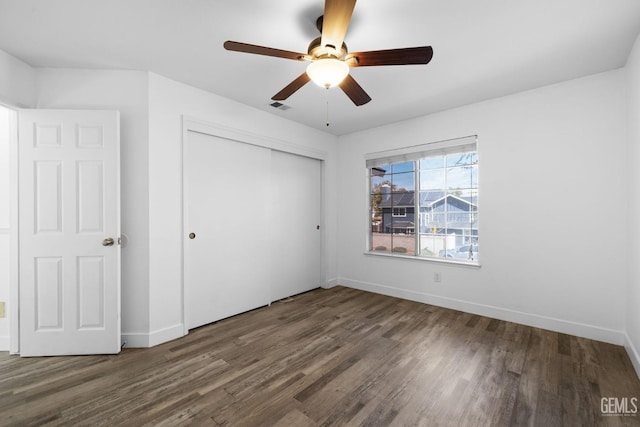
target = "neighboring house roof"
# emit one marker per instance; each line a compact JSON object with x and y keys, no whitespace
{"x":428,"y":199}
{"x":396,"y":200}
{"x":433,"y":198}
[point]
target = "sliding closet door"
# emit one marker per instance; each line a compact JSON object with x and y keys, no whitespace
{"x":295,"y":225}
{"x":226,"y":249}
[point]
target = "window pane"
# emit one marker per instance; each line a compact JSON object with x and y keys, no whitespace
{"x":403,"y":181}
{"x":429,"y":245}
{"x":468,"y":252}
{"x":469,"y":194}
{"x":432,"y":163}
{"x":404,"y":244}
{"x":428,"y":198}
{"x":377,"y":181}
{"x":376,"y":212}
{"x":378,"y":176}
{"x":460,"y":221}
{"x":437,"y":222}
{"x":432,"y":179}
{"x":380,"y":242}
{"x":404,"y":199}
{"x":380,"y":186}
{"x":462,"y":159}
{"x":402,"y":167}
{"x":439,"y":245}
{"x":462,"y":177}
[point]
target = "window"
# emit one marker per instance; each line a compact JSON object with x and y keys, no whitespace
{"x":423,"y":201}
{"x":402,"y":212}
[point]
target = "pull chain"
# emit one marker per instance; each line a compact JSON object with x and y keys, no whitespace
{"x":327,"y":98}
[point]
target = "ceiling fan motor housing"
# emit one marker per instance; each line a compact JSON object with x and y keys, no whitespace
{"x":317,"y":51}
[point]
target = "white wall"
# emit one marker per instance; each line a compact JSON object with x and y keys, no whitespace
{"x":17,"y":89}
{"x":5,"y":225}
{"x":633,"y":248}
{"x":552,"y":180}
{"x":127,"y":92}
{"x":17,"y":82}
{"x":169,"y":101}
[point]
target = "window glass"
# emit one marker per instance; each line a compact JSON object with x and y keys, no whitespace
{"x":402,"y":167}
{"x":442,"y":221}
{"x":403,"y":181}
{"x":432,"y":179}
{"x":432,"y":163}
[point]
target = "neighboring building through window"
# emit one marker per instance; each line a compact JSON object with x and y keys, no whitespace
{"x":424,"y":201}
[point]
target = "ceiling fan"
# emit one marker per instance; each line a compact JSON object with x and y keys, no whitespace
{"x":330,"y":59}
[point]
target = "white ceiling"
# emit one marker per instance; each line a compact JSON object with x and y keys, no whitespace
{"x":482,"y":48}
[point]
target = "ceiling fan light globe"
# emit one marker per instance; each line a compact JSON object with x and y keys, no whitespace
{"x":327,"y":72}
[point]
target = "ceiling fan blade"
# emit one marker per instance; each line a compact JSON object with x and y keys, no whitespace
{"x":261,"y":50}
{"x":404,"y":56}
{"x":292,"y":87}
{"x":354,"y":91}
{"x":337,"y":15}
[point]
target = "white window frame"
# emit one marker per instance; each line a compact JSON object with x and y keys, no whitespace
{"x":414,"y":153}
{"x":399,"y":215}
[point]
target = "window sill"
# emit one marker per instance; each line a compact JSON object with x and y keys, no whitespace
{"x":471,"y":264}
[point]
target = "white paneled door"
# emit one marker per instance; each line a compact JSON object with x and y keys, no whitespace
{"x":69,"y":203}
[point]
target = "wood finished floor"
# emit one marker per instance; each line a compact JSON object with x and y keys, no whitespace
{"x":331,"y":357}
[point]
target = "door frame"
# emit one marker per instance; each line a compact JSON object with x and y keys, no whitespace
{"x":192,"y":124}
{"x":14,"y":248}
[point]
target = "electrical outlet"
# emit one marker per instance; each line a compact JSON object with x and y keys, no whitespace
{"x":1,"y":309}
{"x":437,"y":278}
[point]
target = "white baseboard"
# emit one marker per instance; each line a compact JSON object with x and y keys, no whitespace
{"x":4,"y":343}
{"x":144,"y":340}
{"x":632,"y":351}
{"x":553,"y":324}
{"x":330,"y":284}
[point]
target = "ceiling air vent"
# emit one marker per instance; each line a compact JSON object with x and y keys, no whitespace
{"x":280,"y":106}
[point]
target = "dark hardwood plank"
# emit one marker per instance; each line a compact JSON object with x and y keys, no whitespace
{"x":326,"y":358}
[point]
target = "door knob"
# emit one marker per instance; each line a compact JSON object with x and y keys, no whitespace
{"x":192,"y":236}
{"x":107,"y":242}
